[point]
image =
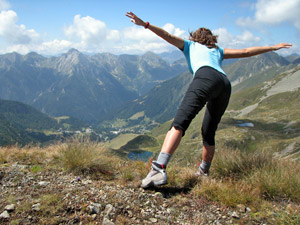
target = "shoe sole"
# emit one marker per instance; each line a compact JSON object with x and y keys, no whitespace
{"x":154,"y":184}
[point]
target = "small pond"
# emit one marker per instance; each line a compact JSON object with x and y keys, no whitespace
{"x":140,"y":155}
{"x":245,"y":125}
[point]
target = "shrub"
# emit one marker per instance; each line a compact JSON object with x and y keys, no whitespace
{"x":81,"y":156}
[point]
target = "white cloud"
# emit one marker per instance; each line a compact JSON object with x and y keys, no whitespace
{"x":173,"y":30}
{"x":90,"y":32}
{"x":86,"y":34}
{"x":136,"y":33}
{"x":248,"y":37}
{"x":54,"y":47}
{"x":228,"y":40}
{"x":137,"y":39}
{"x":13,"y":33}
{"x":274,"y":12}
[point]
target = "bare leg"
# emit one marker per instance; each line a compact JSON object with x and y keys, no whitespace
{"x":208,"y":153}
{"x":157,"y":175}
{"x":207,"y":156}
{"x":171,"y":141}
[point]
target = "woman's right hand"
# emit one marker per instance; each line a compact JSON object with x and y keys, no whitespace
{"x":136,"y":20}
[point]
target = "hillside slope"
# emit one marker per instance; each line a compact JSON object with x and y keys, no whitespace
{"x":157,"y":106}
{"x":22,"y":124}
{"x":274,"y":115}
{"x":245,"y":68}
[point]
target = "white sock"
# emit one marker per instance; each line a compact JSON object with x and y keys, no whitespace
{"x":163,"y":158}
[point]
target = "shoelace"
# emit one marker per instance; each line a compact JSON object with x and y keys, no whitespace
{"x":149,"y":163}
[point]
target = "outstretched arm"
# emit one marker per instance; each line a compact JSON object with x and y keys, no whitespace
{"x":174,"y":40}
{"x":247,"y":52}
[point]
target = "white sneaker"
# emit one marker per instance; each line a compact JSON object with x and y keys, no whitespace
{"x":201,"y":173}
{"x":156,"y":177}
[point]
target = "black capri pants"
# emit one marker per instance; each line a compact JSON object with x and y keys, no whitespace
{"x":208,"y":86}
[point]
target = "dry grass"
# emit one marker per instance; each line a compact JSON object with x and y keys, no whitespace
{"x":236,"y":177}
{"x":27,"y":155}
{"x":236,"y":164}
{"x":249,"y":178}
{"x":229,"y":192}
{"x":83,"y":157}
{"x":278,"y":180}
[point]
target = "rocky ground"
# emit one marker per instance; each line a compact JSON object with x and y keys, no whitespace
{"x":28,"y":196}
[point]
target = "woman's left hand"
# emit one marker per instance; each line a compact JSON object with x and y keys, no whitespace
{"x":281,"y":45}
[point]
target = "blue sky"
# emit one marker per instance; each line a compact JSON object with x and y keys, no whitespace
{"x":52,"y":27}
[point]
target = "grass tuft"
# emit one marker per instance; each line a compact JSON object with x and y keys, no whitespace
{"x":236,"y":164}
{"x":81,"y":156}
{"x":229,"y":192}
{"x":279,"y":180}
{"x":249,"y":178}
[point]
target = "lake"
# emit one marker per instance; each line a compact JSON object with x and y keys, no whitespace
{"x":140,"y":155}
{"x":245,"y":125}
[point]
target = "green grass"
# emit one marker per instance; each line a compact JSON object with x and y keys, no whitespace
{"x":246,"y":98}
{"x":36,"y":169}
{"x":140,"y":142}
{"x":120,"y":140}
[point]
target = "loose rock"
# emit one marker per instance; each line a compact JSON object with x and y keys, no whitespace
{"x":10,"y":208}
{"x":4,"y":215}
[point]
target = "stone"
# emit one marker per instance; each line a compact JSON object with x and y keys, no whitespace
{"x":36,"y":207}
{"x":106,"y":221}
{"x":93,"y":210}
{"x":158,"y":195}
{"x":4,"y":215}
{"x":10,"y":208}
{"x":241,"y":208}
{"x":153,"y":220}
{"x":108,"y":209}
{"x":43,"y":183}
{"x":85,"y":182}
{"x":235,"y":215}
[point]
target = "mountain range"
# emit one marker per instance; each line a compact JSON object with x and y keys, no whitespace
{"x":125,"y":91}
{"x":78,"y":85}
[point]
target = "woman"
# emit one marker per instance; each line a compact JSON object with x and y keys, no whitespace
{"x":210,"y":86}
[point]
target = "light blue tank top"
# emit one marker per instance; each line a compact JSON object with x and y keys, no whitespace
{"x":198,"y":55}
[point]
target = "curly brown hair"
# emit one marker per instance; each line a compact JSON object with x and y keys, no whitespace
{"x":205,"y":37}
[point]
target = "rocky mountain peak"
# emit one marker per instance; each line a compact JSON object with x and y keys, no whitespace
{"x":73,"y":51}
{"x":68,"y":61}
{"x":11,"y":58}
